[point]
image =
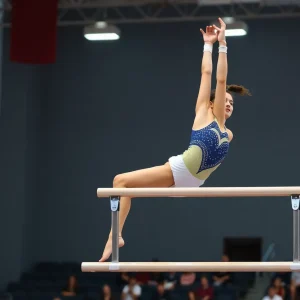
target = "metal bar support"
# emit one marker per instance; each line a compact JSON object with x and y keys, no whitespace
{"x":295,"y":199}
{"x":115,"y":207}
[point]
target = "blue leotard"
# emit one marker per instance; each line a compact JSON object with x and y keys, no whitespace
{"x":207,"y":150}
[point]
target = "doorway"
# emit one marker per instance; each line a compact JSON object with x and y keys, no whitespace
{"x":243,"y":248}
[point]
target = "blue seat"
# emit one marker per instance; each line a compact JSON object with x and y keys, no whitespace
{"x":224,"y":297}
{"x":14,"y":287}
{"x":79,"y":297}
{"x":20,"y":295}
{"x":36,"y":295}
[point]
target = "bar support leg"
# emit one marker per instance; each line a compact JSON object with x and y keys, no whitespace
{"x":115,"y":207}
{"x":295,"y":199}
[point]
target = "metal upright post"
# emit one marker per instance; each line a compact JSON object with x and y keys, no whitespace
{"x":115,"y":206}
{"x":295,"y":199}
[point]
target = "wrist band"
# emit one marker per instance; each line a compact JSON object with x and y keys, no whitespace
{"x":223,"y":49}
{"x":208,"y":48}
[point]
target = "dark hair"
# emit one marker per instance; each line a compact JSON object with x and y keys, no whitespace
{"x":232,"y":89}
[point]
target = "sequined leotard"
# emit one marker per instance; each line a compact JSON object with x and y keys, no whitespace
{"x":208,"y":148}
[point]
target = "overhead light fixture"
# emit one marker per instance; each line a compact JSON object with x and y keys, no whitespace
{"x":234,"y":28}
{"x":101,"y":31}
{"x":235,"y":32}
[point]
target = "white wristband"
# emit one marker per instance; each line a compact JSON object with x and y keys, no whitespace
{"x":208,"y":48}
{"x":223,"y":49}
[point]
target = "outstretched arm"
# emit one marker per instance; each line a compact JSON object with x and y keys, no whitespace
{"x":209,"y":37}
{"x":222,"y":70}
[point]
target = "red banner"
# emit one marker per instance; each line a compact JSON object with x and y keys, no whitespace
{"x":33,"y":31}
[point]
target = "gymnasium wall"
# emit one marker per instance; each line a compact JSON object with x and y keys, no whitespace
{"x":113,"y":107}
{"x":18,"y":160}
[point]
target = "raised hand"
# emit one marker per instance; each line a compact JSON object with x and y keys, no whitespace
{"x":221,"y":31}
{"x":210,"y":36}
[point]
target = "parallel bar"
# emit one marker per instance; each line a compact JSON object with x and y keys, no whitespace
{"x":201,"y":192}
{"x":190,"y":267}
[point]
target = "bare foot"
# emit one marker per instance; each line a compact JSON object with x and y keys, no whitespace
{"x":108,"y":248}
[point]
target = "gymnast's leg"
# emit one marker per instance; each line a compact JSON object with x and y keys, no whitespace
{"x":160,"y":176}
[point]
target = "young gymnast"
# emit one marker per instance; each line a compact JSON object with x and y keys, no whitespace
{"x":210,"y":138}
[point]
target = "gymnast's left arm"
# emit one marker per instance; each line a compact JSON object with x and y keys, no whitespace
{"x":222,"y":70}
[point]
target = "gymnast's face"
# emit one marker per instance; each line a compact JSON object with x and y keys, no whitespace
{"x":228,"y":106}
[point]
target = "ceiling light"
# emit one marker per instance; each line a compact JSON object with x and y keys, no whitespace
{"x":101,"y":31}
{"x":233,"y":27}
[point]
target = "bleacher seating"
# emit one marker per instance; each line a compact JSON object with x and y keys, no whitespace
{"x":286,"y":282}
{"x":45,"y":281}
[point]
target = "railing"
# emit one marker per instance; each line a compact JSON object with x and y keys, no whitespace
{"x":270,"y":253}
{"x":267,"y":257}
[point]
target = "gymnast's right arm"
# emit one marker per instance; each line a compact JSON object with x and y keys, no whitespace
{"x":209,"y":38}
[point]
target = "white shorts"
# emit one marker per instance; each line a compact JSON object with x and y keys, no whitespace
{"x":182,"y":176}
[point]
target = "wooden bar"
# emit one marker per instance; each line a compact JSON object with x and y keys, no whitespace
{"x":190,"y":267}
{"x":201,"y":192}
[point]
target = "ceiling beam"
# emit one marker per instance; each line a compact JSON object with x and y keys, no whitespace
{"x":84,"y":12}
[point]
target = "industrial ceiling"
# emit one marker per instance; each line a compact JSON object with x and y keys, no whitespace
{"x":84,"y":12}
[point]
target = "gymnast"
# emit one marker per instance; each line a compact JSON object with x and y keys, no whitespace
{"x":209,"y":141}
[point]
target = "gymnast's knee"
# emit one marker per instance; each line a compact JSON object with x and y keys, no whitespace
{"x":119,"y":181}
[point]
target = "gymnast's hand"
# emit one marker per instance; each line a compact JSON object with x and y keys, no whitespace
{"x":221,"y":32}
{"x":210,"y":36}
